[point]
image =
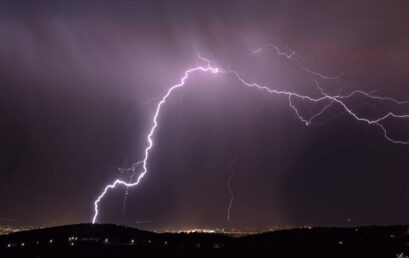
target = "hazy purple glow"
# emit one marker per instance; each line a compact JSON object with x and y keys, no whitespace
{"x":81,"y":82}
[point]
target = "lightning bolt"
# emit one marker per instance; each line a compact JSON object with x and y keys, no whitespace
{"x":232,"y":171}
{"x":328,"y":99}
{"x":148,"y":148}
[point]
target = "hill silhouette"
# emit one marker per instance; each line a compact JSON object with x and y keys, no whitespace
{"x":104,"y":240}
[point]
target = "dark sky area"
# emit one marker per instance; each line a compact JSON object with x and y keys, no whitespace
{"x":79,"y":81}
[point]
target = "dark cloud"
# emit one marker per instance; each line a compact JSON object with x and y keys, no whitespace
{"x":75,"y":78}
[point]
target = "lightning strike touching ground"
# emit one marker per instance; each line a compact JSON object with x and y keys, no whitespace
{"x":149,"y":137}
{"x":232,"y":171}
{"x":327,"y":99}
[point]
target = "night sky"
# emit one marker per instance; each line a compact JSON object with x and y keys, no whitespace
{"x":80,"y":82}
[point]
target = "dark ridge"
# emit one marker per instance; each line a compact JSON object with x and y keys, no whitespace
{"x":106,"y":240}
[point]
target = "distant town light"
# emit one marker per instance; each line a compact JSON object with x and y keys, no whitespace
{"x":340,"y":242}
{"x":73,"y":238}
{"x":106,"y":240}
{"x":217,"y":246}
{"x":132,"y":241}
{"x":50,"y":241}
{"x":22,"y":244}
{"x":9,"y":245}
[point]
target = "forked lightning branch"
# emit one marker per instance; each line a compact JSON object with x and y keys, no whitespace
{"x":141,"y":168}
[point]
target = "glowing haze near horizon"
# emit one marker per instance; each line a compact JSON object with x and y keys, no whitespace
{"x":81,"y":83}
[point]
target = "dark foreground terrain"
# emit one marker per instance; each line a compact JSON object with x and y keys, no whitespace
{"x":86,"y":240}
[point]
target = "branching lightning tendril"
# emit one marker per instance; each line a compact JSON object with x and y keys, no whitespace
{"x":232,"y":171}
{"x":328,"y":99}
